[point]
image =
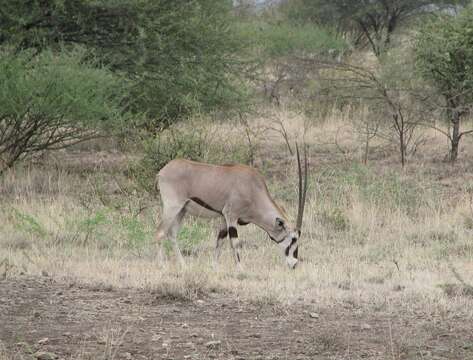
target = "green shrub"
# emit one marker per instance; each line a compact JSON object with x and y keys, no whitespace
{"x":51,"y":101}
{"x":92,"y":227}
{"x":390,"y":190}
{"x":136,"y":232}
{"x":28,"y":224}
{"x":335,"y":219}
{"x":190,"y":237}
{"x":272,"y":40}
{"x":181,"y":56}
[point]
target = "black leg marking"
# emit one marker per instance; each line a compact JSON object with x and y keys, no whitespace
{"x":296,"y":252}
{"x":232,"y":231}
{"x":238,"y":256}
{"x":222,"y":233}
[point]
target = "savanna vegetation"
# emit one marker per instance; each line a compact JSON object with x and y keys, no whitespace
{"x":97,"y":96}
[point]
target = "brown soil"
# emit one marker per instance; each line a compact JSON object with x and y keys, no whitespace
{"x":82,"y":322}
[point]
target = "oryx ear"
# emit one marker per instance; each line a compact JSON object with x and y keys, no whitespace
{"x":280,"y":223}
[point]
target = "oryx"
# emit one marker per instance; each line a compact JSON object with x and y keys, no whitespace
{"x":237,"y":194}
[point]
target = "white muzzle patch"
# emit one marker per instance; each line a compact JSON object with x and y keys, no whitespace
{"x":291,"y":262}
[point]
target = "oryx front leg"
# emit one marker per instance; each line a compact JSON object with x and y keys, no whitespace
{"x":221,"y":236}
{"x":235,"y":243}
{"x":232,"y":222}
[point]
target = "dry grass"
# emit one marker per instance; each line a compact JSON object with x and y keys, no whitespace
{"x":374,"y":236}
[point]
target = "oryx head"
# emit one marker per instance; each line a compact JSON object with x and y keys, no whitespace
{"x":285,"y":234}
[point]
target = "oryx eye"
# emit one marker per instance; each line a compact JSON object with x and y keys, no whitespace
{"x":280,"y":223}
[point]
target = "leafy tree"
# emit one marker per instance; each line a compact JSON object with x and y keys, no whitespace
{"x":372,"y":22}
{"x":388,"y":94}
{"x":53,"y":101}
{"x":277,"y":47}
{"x":182,"y":56}
{"x":444,"y":53}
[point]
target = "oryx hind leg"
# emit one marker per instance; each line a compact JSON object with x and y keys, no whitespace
{"x":172,"y":216}
{"x":173,"y":232}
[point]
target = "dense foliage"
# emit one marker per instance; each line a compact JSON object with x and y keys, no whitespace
{"x":444,"y":53}
{"x":372,"y":23}
{"x":146,"y":64}
{"x":181,"y":56}
{"x":50,"y":101}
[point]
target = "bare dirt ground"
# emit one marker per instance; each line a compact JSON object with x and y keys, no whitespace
{"x":75,"y":321}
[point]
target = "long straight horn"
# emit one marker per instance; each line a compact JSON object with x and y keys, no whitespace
{"x":302,"y":186}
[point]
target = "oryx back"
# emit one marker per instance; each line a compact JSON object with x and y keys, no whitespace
{"x":207,"y":189}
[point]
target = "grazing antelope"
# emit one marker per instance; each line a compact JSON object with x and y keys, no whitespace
{"x":237,"y":194}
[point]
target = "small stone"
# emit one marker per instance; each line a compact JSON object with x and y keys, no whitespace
{"x":44,"y":273}
{"x":468,"y":346}
{"x":256,"y":336}
{"x":398,"y":288}
{"x":366,"y":327}
{"x":314,"y":315}
{"x":43,"y":355}
{"x":43,"y":341}
{"x":213,"y":344}
{"x":200,"y":302}
{"x":155,"y":337}
{"x":127,"y":356}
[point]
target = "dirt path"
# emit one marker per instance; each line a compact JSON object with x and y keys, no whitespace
{"x":95,"y":323}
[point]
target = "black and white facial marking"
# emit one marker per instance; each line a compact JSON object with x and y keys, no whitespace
{"x":287,"y":239}
{"x":291,"y":249}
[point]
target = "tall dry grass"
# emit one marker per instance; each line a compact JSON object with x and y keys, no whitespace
{"x":374,"y":235}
